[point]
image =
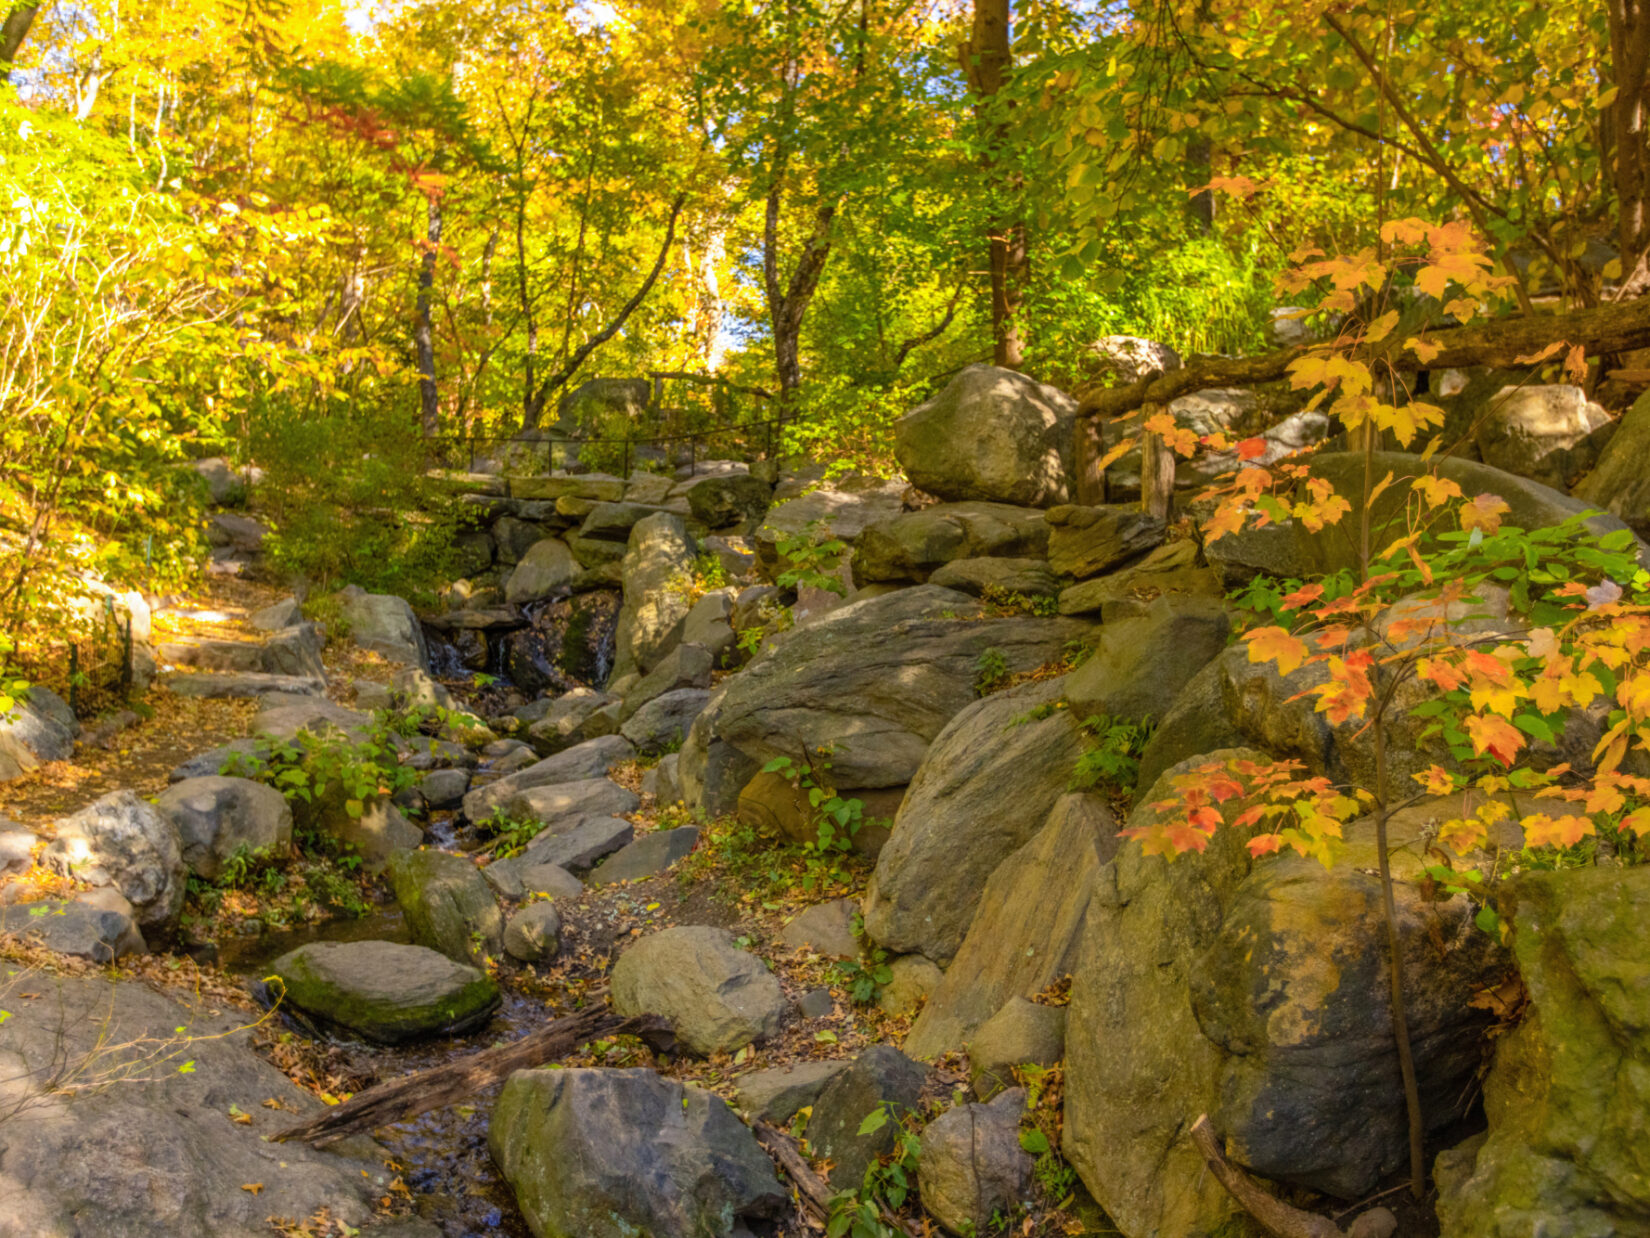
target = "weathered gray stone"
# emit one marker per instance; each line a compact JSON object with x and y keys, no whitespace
{"x":385,"y":625}
{"x":1085,"y":541}
{"x":1022,"y":1033}
{"x":624,"y":1153}
{"x":216,"y":816}
{"x":665,"y":720}
{"x":156,"y":1156}
{"x":912,"y":980}
{"x":977,"y":577}
{"x":710,"y":771}
{"x":377,"y":834}
{"x":575,"y":844}
{"x":1197,"y":722}
{"x":825,"y":928}
{"x":242,"y":686}
{"x":518,"y":878}
{"x":662,"y":781}
{"x":1025,"y":934}
{"x":561,"y":723}
{"x":600,"y":487}
{"x":776,"y":1095}
{"x":242,"y":752}
{"x":990,"y":434}
{"x":125,"y":842}
{"x":17,"y":845}
{"x":1550,"y":434}
{"x":547,"y":566}
{"x":831,"y":513}
{"x":971,"y":1168}
{"x":1620,"y":484}
{"x":685,"y":666}
{"x":1170,"y":569}
{"x":77,"y":928}
{"x":709,"y":626}
{"x":580,"y":763}
{"x":1140,"y":665}
{"x":448,"y":905}
{"x":566,"y":801}
{"x":385,"y":992}
{"x":648,"y":856}
{"x":283,"y":717}
{"x":911,"y":546}
{"x":882,"y":1075}
{"x":717,"y":997}
{"x":444,"y":788}
{"x":38,"y":730}
{"x":733,"y":499}
{"x":224,"y":485}
{"x":534,"y":933}
{"x":984,"y":789}
{"x":877,"y":680}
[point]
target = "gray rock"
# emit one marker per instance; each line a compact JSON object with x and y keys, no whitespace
{"x":984,"y":789}
{"x":206,"y":764}
{"x":243,"y":534}
{"x":1126,"y":359}
{"x":295,"y":650}
{"x":16,"y":848}
{"x":659,"y":554}
{"x":1026,"y":932}
{"x":613,"y":521}
{"x":912,"y":980}
{"x":816,"y":1004}
{"x":990,"y":434}
{"x":210,"y":685}
{"x":1029,"y":577}
{"x":661,"y":781}
{"x":216,"y":655}
{"x":1197,"y":722}
{"x":577,"y":844}
{"x":546,"y":567}
{"x":225,"y":487}
{"x":448,"y":904}
{"x":284,"y":717}
{"x":882,"y":1075}
{"x":516,"y":879}
{"x":414,"y":688}
{"x":1170,"y":569}
{"x":777,"y":1095}
{"x":734,"y":499}
{"x":1085,"y":541}
{"x":648,"y":856}
{"x":565,"y":801}
{"x":533,"y":934}
{"x":580,"y":763}
{"x":824,"y":928}
{"x":79,"y":929}
{"x":1141,"y":665}
{"x":216,"y":816}
{"x":1547,"y":433}
{"x":971,"y":1168}
{"x":561,"y":723}
{"x":649,"y":488}
{"x":717,"y":997}
{"x":711,"y":772}
{"x":621,"y":1153}
{"x":664,"y":721}
{"x":1620,"y":484}
{"x":156,"y":1156}
{"x":839,"y":514}
{"x":911,"y":546}
{"x":125,"y":842}
{"x":37,"y":731}
{"x":444,"y":788}
{"x":685,"y":666}
{"x":1022,"y":1033}
{"x":377,"y":834}
{"x":385,"y":992}
{"x":709,"y":625}
{"x":514,"y":537}
{"x":599,"y":557}
{"x":876,"y":681}
{"x":385,"y":625}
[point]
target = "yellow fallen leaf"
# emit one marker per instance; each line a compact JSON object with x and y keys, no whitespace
{"x":252,"y":1188}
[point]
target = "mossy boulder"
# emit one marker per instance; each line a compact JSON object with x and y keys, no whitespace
{"x":385,"y":992}
{"x":448,"y":904}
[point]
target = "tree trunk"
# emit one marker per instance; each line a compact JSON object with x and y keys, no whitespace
{"x":423,"y":331}
{"x":1630,"y":73}
{"x":13,"y":31}
{"x":987,"y":60}
{"x":788,"y":301}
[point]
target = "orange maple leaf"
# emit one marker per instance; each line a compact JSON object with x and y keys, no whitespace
{"x":1274,"y":644}
{"x":1494,"y":735}
{"x":1484,"y":512}
{"x":1541,"y":830}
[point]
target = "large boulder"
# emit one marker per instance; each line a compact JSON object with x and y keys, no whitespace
{"x":1549,"y":434}
{"x":686,"y":666}
{"x":385,"y":992}
{"x":1288,"y":549}
{"x":663,"y":723}
{"x":216,"y":816}
{"x":1086,"y":541}
{"x":777,"y":1095}
{"x":648,"y":856}
{"x":971,"y":1169}
{"x":659,"y":558}
{"x":385,"y":625}
{"x":1141,"y":664}
{"x":36,"y":731}
{"x":623,"y":1153}
{"x":563,"y":803}
{"x":1568,"y":1095}
{"x":998,"y":576}
{"x":877,"y":680}
{"x":448,"y":905}
{"x":1170,"y":570}
{"x":1026,"y":931}
{"x":710,"y":771}
{"x":1265,"y":984}
{"x":156,"y":1154}
{"x":731,"y":499}
{"x":1197,"y":722}
{"x":839,"y":513}
{"x":1021,"y":1034}
{"x":574,"y":844}
{"x":97,"y":926}
{"x":1620,"y":484}
{"x":717,"y":997}
{"x":125,"y":842}
{"x":991,"y":434}
{"x":547,"y":566}
{"x":983,"y":790}
{"x":913,"y":545}
{"x":561,"y":725}
{"x":596,"y":401}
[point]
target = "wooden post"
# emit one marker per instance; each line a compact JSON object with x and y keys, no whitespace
{"x":1156,"y":470}
{"x":1091,"y":478}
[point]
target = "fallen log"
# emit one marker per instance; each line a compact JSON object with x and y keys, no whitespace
{"x":813,"y":1192}
{"x":1278,"y":1218}
{"x":1599,"y":329}
{"x":411,"y":1095}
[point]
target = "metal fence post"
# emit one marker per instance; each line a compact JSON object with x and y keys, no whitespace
{"x":74,"y":679}
{"x":626,"y":472}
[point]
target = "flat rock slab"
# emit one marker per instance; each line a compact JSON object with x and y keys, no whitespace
{"x":385,"y":992}
{"x":717,"y":997}
{"x":776,"y":1095}
{"x":580,"y":763}
{"x":212,"y":685}
{"x":579,"y":845}
{"x":648,"y":856}
{"x":77,"y":929}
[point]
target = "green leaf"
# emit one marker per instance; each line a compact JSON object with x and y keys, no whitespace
{"x":188,"y":1068}
{"x":1487,"y":920}
{"x":1034,"y":1142}
{"x":874,"y":1121}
